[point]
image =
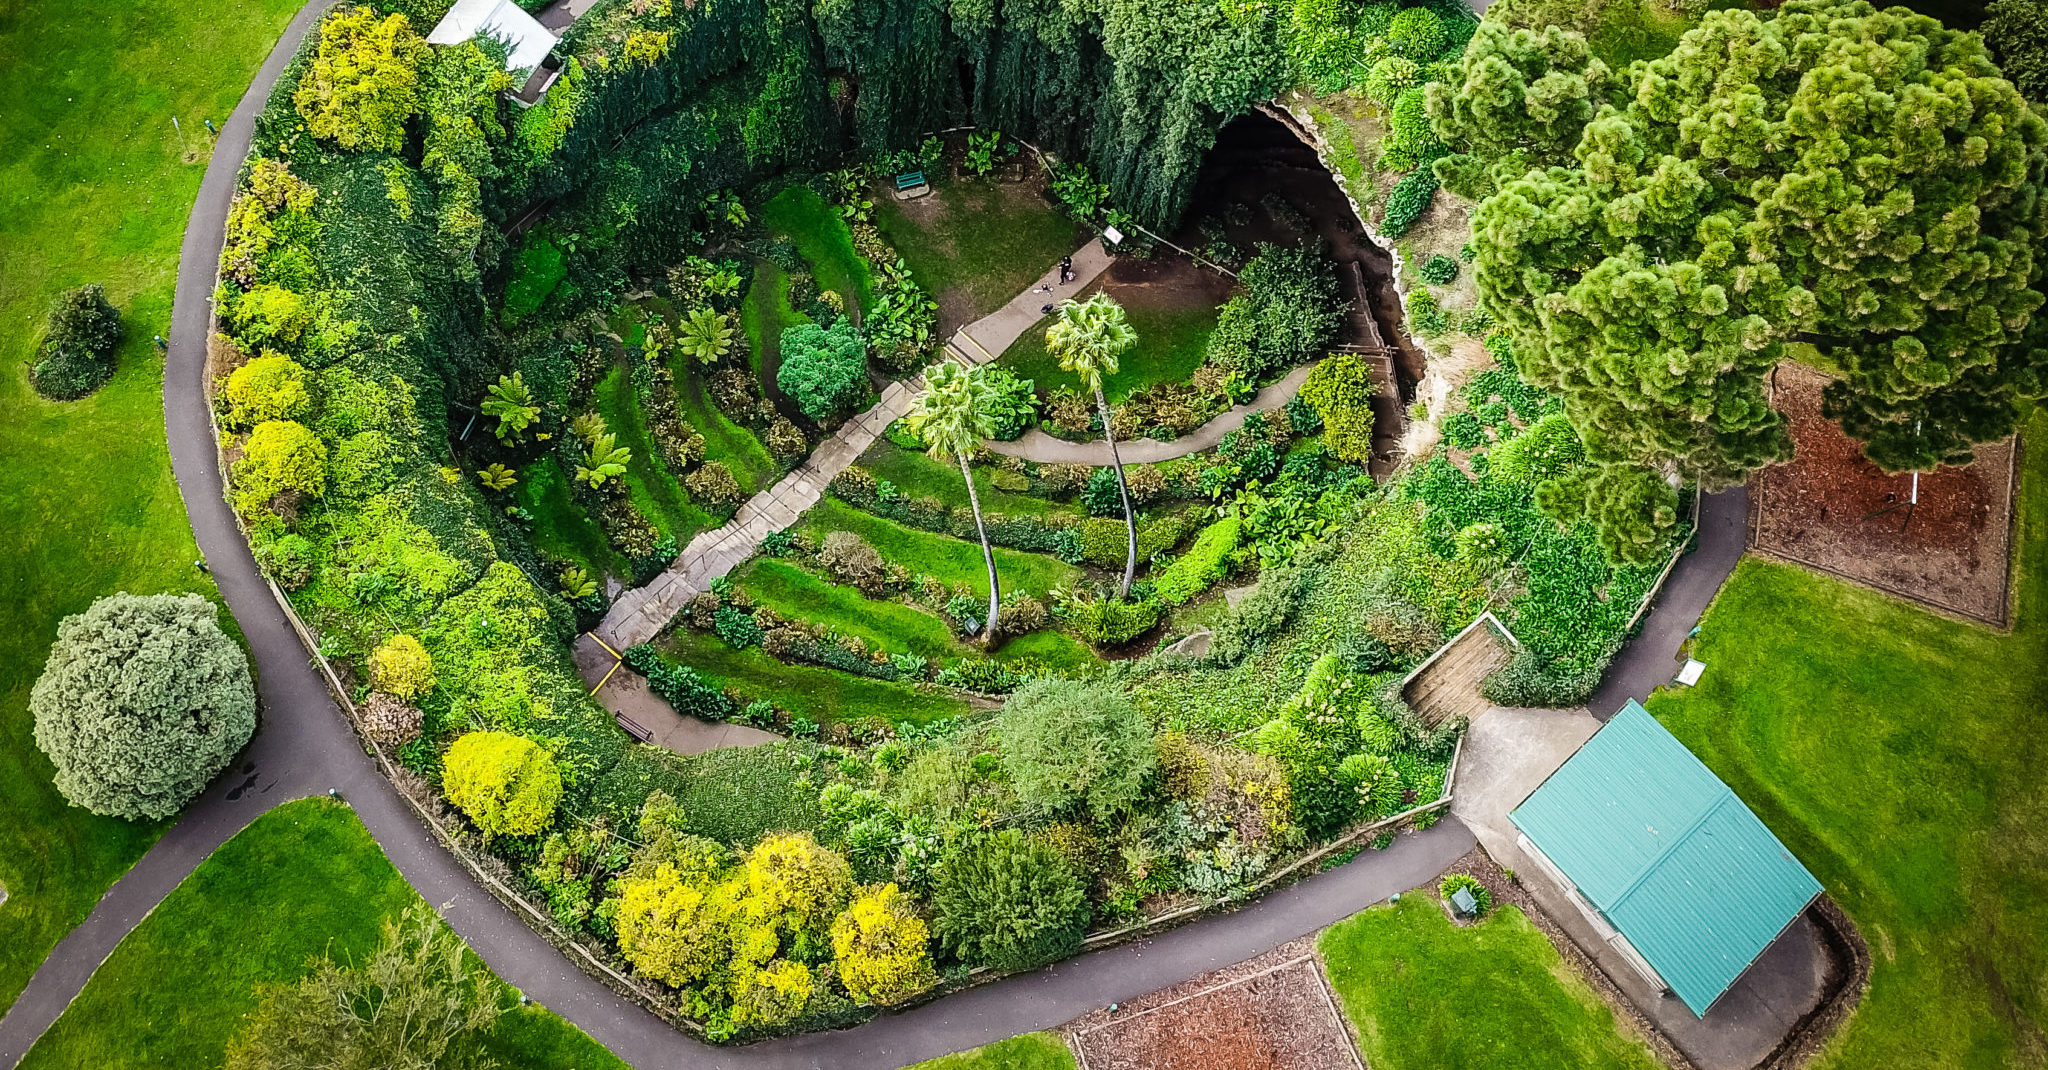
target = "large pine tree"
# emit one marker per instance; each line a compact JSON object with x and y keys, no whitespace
{"x":1854,"y":188}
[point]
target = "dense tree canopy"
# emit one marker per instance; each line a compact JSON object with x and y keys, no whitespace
{"x":143,"y":700}
{"x":364,"y":83}
{"x":1859,"y":181}
{"x":823,"y":370}
{"x":1066,"y":743}
{"x":2018,"y":33}
{"x":1521,"y":99}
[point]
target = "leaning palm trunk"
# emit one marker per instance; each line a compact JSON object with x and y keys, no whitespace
{"x":988,"y":630}
{"x":1130,"y":518}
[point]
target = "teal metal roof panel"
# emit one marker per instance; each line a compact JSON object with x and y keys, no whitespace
{"x":1668,"y":854}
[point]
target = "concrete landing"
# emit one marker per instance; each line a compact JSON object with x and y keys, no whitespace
{"x":647,"y":716}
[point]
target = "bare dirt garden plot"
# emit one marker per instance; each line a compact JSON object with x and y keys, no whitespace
{"x":1272,"y":1012}
{"x":1832,"y":510}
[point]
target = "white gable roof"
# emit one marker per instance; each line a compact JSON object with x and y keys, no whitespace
{"x":502,"y":19}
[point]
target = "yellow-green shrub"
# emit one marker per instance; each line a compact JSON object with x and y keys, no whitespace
{"x":506,"y":784}
{"x":672,"y":927}
{"x":364,"y":82}
{"x":280,"y":455}
{"x":1203,"y":564}
{"x":772,"y":995}
{"x":879,"y":943}
{"x":401,"y":666}
{"x":270,"y":387}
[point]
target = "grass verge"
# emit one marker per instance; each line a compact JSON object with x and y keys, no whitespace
{"x":301,"y":881}
{"x":1032,"y":1051}
{"x":561,"y":528}
{"x":1897,"y":754}
{"x":1424,"y":993}
{"x":1172,"y":340}
{"x":656,"y":493}
{"x":95,"y":186}
{"x":919,"y":476}
{"x":953,"y":561}
{"x":823,"y":695}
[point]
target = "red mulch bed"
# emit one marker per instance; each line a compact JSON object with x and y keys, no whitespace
{"x":1269,"y":1013}
{"x":1951,"y":551}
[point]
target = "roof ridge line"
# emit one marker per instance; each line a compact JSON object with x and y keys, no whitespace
{"x":1651,"y":866}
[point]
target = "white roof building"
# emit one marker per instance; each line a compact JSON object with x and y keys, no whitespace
{"x":530,"y":41}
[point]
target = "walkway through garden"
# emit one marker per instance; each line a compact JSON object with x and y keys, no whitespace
{"x":640,"y":614}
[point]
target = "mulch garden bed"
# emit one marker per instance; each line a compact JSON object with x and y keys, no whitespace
{"x":1273,"y":1012}
{"x":1950,"y":551}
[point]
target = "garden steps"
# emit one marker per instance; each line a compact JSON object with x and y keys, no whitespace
{"x":1449,"y":686}
{"x":640,"y":614}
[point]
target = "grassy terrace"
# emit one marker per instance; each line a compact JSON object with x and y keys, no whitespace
{"x":894,"y":626}
{"x":1425,"y":994}
{"x":953,"y":561}
{"x":95,"y":186}
{"x":304,"y":880}
{"x":1899,"y":755}
{"x":919,"y":476}
{"x":1171,"y":342}
{"x":823,"y":695}
{"x":800,"y":215}
{"x":765,"y":314}
{"x":657,"y":493}
{"x":973,"y":244}
{"x":560,"y":526}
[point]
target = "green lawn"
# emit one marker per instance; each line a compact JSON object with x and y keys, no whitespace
{"x":800,"y":215}
{"x":95,"y":186}
{"x":1424,"y":993}
{"x":764,"y":315}
{"x":655,"y":492}
{"x":1032,"y":1051}
{"x":1172,"y":340}
{"x":894,"y":626}
{"x":823,"y":695}
{"x":953,"y":561}
{"x":304,"y":880}
{"x":916,"y":474}
{"x":1898,"y":754}
{"x":724,"y":441}
{"x":974,"y":244}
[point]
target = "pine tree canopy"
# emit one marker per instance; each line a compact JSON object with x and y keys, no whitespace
{"x":1847,"y":187}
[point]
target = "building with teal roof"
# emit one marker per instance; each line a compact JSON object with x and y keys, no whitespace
{"x":1670,"y":867}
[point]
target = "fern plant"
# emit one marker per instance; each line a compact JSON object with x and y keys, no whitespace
{"x":577,"y":583}
{"x":498,"y":477}
{"x":706,"y":335}
{"x":605,"y":460}
{"x":512,"y":403}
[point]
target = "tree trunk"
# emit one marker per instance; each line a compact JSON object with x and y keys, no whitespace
{"x":1130,"y":518}
{"x":995,"y":597}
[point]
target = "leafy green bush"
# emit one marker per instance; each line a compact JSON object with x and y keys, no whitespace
{"x":1340,"y":390}
{"x":1389,"y":77}
{"x":1452,"y":882}
{"x":1409,"y":138}
{"x":1531,"y":681}
{"x":1439,"y":270}
{"x":78,"y":344}
{"x":1011,"y":402}
{"x":1203,"y":564}
{"x":1463,"y":431}
{"x":823,"y":371}
{"x":1066,"y":743}
{"x":1104,"y":621}
{"x":1009,"y":901}
{"x":1417,"y":34}
{"x":1407,"y":201}
{"x":1288,"y":312}
{"x":142,"y":701}
{"x":737,"y":628}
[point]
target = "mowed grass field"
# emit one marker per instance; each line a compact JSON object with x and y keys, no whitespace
{"x":302,"y":881}
{"x":1900,"y":756}
{"x":95,"y":186}
{"x":1425,"y":994}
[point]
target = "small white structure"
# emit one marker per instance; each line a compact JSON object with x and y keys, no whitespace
{"x":530,"y":42}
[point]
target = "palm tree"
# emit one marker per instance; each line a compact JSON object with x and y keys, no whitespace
{"x":952,"y":417}
{"x":1087,"y":336}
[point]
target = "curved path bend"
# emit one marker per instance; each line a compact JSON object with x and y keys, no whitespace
{"x":305,"y":746}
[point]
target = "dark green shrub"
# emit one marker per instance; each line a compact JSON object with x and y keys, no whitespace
{"x":824,"y":371}
{"x":1439,"y":270}
{"x":1101,"y":497}
{"x":1407,"y":201}
{"x":1462,"y":431}
{"x":1288,"y":313}
{"x":78,"y":344}
{"x":1011,"y":403}
{"x":1416,"y":33}
{"x":736,"y":627}
{"x":1008,"y":901}
{"x":1067,"y":743}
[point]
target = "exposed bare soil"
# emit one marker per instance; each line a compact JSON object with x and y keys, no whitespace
{"x":1833,"y":510}
{"x":1272,"y":1012}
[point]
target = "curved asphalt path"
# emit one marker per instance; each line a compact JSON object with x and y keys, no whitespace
{"x":305,"y":746}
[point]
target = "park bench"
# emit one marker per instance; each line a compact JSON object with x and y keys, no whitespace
{"x":911,"y":184}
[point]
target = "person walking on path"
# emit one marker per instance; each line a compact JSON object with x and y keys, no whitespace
{"x":1066,"y":270}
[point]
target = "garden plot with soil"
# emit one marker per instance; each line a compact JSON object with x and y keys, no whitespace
{"x":1831,"y":509}
{"x":1273,"y":1012}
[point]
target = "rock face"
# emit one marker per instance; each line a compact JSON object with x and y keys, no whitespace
{"x":1193,"y":646}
